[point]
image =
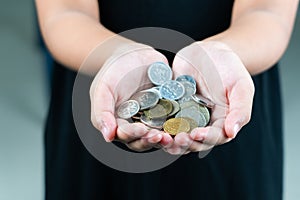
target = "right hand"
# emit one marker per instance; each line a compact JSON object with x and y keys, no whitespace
{"x":122,"y":75}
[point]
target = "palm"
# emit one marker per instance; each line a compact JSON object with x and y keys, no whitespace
{"x":222,"y":78}
{"x":120,"y":77}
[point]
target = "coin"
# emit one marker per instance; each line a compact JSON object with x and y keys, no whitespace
{"x":146,"y":99}
{"x":176,"y":125}
{"x":193,"y":124}
{"x":193,"y":113}
{"x":205,"y":112}
{"x":184,"y":99}
{"x":155,"y":89}
{"x":159,"y":73}
{"x":153,"y":123}
{"x":189,"y":89}
{"x":187,"y":104}
{"x":202,"y":100}
{"x":128,"y":109}
{"x":176,"y":108}
{"x":173,"y":99}
{"x":172,"y":90}
{"x":162,"y":109}
{"x":186,"y":78}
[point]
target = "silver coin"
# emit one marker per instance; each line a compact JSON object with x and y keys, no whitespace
{"x":193,"y":113}
{"x":186,"y":78}
{"x":176,"y":108}
{"x":147,"y":99}
{"x":190,"y":89}
{"x":205,"y":112}
{"x":202,"y":100}
{"x":159,"y":73}
{"x":184,"y":99}
{"x":128,"y":109}
{"x":156,"y":90}
{"x":153,"y":123}
{"x":172,"y":90}
{"x":190,"y":103}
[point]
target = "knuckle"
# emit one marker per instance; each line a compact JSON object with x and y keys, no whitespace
{"x":94,"y":122}
{"x":252,"y":88}
{"x":247,"y":118}
{"x":138,"y":146}
{"x":92,"y":89}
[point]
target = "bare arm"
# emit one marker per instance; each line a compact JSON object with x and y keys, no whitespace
{"x":72,"y":30}
{"x":260,"y":31}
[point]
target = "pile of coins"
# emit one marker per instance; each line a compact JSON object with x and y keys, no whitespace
{"x":171,"y":105}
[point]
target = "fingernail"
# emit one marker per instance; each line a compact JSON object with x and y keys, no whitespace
{"x":198,"y":136}
{"x":236,"y":129}
{"x":193,"y":135}
{"x":167,"y":141}
{"x":104,"y":130}
{"x":155,"y":139}
{"x":151,"y":134}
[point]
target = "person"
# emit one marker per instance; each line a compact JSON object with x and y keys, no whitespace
{"x":242,"y":38}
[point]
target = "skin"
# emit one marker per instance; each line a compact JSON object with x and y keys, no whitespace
{"x":213,"y":64}
{"x":248,"y":47}
{"x":134,"y":60}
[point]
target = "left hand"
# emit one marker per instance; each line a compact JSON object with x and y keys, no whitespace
{"x":222,"y":78}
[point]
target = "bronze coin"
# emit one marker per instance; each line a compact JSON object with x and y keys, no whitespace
{"x":161,"y":110}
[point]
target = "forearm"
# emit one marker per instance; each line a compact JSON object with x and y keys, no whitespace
{"x":71,"y":36}
{"x":258,"y":37}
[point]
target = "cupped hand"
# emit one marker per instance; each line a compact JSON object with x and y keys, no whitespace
{"x":122,"y":75}
{"x":222,"y":78}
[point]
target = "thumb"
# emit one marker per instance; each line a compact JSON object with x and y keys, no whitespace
{"x":102,"y":110}
{"x":181,"y":66}
{"x":240,"y":106}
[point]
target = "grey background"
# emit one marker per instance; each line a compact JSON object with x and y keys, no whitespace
{"x":24,"y":100}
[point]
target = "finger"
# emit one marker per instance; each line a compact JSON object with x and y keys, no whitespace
{"x":185,"y":64}
{"x":181,"y":66}
{"x":199,"y":147}
{"x":186,"y":143}
{"x":240,"y":107}
{"x":152,"y":138}
{"x":205,"y":64}
{"x":166,"y":140}
{"x":139,"y":145}
{"x":211,"y":135}
{"x":176,"y":149}
{"x":102,"y":111}
{"x":127,"y":132}
{"x":183,"y":140}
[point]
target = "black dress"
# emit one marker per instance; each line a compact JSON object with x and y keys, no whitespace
{"x":248,"y":168}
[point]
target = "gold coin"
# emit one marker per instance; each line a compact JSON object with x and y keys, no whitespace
{"x":193,"y":124}
{"x":161,"y":110}
{"x":176,"y":125}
